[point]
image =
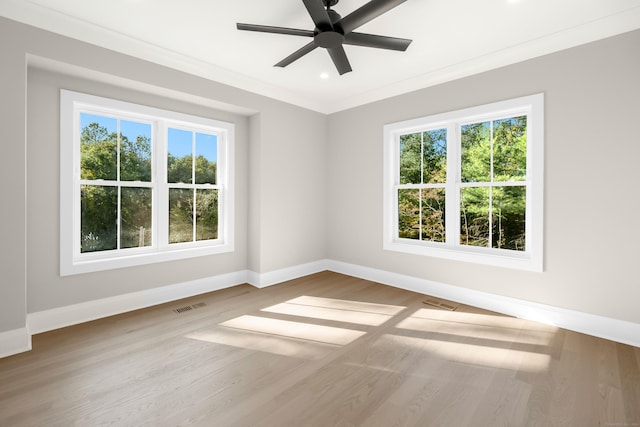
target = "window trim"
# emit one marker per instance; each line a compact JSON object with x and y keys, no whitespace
{"x":71,"y":260}
{"x":532,"y":258}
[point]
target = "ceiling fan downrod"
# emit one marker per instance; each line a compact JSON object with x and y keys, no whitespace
{"x":329,"y":3}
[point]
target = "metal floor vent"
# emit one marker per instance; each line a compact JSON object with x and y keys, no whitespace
{"x":186,"y":308}
{"x":440,"y":304}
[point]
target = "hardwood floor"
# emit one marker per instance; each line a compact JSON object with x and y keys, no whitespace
{"x":324,"y":350}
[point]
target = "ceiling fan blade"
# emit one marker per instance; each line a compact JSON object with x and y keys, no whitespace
{"x":297,"y":54}
{"x":339,"y":57}
{"x":380,"y":42}
{"x":276,"y":30}
{"x":318,"y":14}
{"x":366,"y":13}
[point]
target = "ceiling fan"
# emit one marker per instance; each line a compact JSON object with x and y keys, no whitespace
{"x":332,"y":31}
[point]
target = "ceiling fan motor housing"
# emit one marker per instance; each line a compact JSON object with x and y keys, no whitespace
{"x":330,"y":37}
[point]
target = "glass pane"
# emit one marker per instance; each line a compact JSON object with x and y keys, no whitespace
{"x":474,"y":216}
{"x":410,"y":163}
{"x":433,"y":210}
{"x":434,"y":156}
{"x":180,"y":215}
{"x":98,"y":218}
{"x":206,"y":214}
{"x":179,"y":158}
{"x":135,"y":217}
{"x":510,"y":149}
{"x":476,"y":152}
{"x":409,"y":213}
{"x":98,"y":147}
{"x":206,"y":158}
{"x":135,"y":151}
{"x":509,"y":207}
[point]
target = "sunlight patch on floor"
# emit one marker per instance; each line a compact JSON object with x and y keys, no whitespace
{"x":493,"y":357}
{"x":511,"y":334}
{"x":295,"y":338}
{"x":471,"y":354}
{"x":290,"y":329}
{"x":430,"y":358}
{"x":281,"y":346}
{"x":497,"y":320}
{"x":336,"y":314}
{"x":466,"y":317}
{"x":343,"y":304}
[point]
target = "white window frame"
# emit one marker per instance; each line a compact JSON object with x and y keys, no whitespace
{"x":74,"y":262}
{"x":532,"y":257}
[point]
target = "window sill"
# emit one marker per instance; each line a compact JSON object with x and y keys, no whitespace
{"x":505,"y":259}
{"x":69,"y":267}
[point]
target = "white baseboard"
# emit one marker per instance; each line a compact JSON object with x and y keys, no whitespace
{"x":14,"y":341}
{"x":48,"y":320}
{"x":590,"y":324}
{"x":278,"y":276}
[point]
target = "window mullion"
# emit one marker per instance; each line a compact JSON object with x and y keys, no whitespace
{"x":119,"y":197}
{"x":161,"y":199}
{"x":452,"y":192}
{"x":421,"y":186}
{"x":193,"y":214}
{"x":490,"y":237}
{"x":193,"y":183}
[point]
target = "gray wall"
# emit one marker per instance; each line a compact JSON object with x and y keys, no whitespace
{"x":273,"y":150}
{"x":289,"y":189}
{"x":13,"y":261}
{"x":592,"y":147}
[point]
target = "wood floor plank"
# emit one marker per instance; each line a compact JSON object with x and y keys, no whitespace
{"x":323,"y":350}
{"x":629,"y":371}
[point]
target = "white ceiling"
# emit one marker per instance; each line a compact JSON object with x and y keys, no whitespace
{"x":451,"y":39}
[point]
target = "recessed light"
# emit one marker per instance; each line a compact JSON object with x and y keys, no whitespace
{"x":324,"y":76}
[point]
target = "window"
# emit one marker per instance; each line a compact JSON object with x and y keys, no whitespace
{"x":141,"y":185}
{"x":467,"y":185}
